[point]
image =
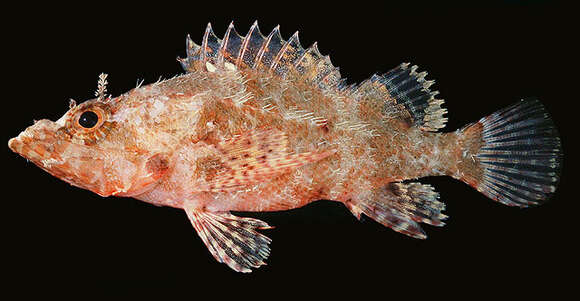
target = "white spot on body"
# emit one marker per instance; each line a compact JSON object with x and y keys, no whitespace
{"x":157,"y":108}
{"x":230,"y":66}
{"x":49,"y":162}
{"x":210,"y":67}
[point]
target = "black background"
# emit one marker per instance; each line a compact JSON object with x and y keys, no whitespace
{"x":62,"y":239}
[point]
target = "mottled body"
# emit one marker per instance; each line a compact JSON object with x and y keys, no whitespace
{"x":261,"y":124}
{"x":361,"y":160}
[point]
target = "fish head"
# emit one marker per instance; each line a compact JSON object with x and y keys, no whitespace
{"x":87,"y":148}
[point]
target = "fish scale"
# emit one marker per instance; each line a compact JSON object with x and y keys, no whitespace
{"x":258,"y":123}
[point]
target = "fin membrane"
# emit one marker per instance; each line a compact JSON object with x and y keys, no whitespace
{"x":404,"y":94}
{"x":519,"y":161}
{"x":232,"y":240}
{"x":402,"y":85}
{"x":258,"y":156}
{"x":257,"y":51}
{"x":402,"y":207}
{"x":410,"y":89}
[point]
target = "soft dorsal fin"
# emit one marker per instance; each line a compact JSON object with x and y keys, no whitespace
{"x":257,"y":51}
{"x":407,"y":89}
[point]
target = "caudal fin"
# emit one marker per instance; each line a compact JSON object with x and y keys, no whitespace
{"x":513,"y":156}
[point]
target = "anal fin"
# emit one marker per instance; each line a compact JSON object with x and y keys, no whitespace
{"x":402,"y":206}
{"x":232,"y":240}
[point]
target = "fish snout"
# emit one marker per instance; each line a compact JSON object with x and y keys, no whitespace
{"x":36,"y":142}
{"x":15,"y":144}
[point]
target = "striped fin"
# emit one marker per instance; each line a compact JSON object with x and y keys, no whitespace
{"x":258,"y":156}
{"x":519,"y":155}
{"x":410,"y":89}
{"x":232,"y":240}
{"x":402,"y":206}
{"x":255,"y":51}
{"x":404,"y":94}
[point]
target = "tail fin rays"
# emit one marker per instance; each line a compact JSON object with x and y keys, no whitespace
{"x":519,"y":155}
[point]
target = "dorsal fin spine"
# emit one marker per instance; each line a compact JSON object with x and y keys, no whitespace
{"x":293,"y":38}
{"x":245,"y":43}
{"x":192,"y":51}
{"x":191,"y":47}
{"x":224,"y":44}
{"x":265,"y":46}
{"x":255,"y":51}
{"x":208,"y":30}
{"x":313,"y":48}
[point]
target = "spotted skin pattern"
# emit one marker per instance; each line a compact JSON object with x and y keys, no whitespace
{"x":261,"y":124}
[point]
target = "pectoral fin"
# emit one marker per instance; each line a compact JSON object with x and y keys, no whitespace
{"x":232,"y":240}
{"x":257,"y":156}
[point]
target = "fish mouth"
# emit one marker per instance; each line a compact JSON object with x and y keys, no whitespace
{"x":15,"y":145}
{"x":19,"y":144}
{"x":37,"y":142}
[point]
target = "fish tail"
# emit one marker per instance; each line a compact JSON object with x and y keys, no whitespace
{"x":513,"y":156}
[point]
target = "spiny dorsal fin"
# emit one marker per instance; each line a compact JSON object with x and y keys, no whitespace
{"x":209,"y":45}
{"x":269,"y":48}
{"x":198,"y":55}
{"x":250,"y":46}
{"x":230,"y":44}
{"x":256,"y":51}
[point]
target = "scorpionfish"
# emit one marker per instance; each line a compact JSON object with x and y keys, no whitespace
{"x":257,"y":123}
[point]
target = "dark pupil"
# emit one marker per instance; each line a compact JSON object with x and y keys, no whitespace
{"x":88,"y":119}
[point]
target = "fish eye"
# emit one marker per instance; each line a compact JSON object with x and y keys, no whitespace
{"x":88,"y":119}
